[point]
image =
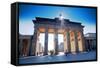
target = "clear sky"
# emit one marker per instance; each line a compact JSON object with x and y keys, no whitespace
{"x":27,"y":13}
{"x":86,"y":16}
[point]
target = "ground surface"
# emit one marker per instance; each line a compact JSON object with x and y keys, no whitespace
{"x":58,"y":58}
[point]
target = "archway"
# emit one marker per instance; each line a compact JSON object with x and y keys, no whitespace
{"x":41,"y":39}
{"x":61,"y":44}
{"x":50,"y":43}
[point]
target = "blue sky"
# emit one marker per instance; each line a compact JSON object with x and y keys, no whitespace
{"x":27,"y":13}
{"x":86,"y":16}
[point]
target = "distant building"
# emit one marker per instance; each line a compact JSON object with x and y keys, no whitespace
{"x":90,"y":41}
{"x":61,"y":47}
{"x":25,"y":44}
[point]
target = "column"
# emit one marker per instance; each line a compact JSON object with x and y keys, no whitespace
{"x":30,"y":47}
{"x":83,"y":41}
{"x":68,"y":41}
{"x":46,"y":42}
{"x":90,"y":43}
{"x":34,"y":41}
{"x":65,"y":42}
{"x":76,"y":41}
{"x":20,"y":46}
{"x":37,"y":44}
{"x":86,"y":44}
{"x":56,"y":41}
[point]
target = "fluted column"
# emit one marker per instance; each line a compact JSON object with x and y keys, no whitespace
{"x":30,"y":47}
{"x":56,"y":41}
{"x":72,"y":41}
{"x":65,"y":42}
{"x":90,"y":44}
{"x":46,"y":42}
{"x":34,"y":41}
{"x":68,"y":42}
{"x":76,"y":41}
{"x":20,"y":46}
{"x":37,"y":44}
{"x":83,"y":41}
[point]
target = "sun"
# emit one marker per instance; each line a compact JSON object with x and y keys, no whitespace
{"x":61,"y":17}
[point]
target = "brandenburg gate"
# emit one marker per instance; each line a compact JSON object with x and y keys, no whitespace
{"x":72,"y":33}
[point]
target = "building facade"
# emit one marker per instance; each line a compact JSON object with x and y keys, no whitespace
{"x":74,"y":40}
{"x":90,"y":41}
